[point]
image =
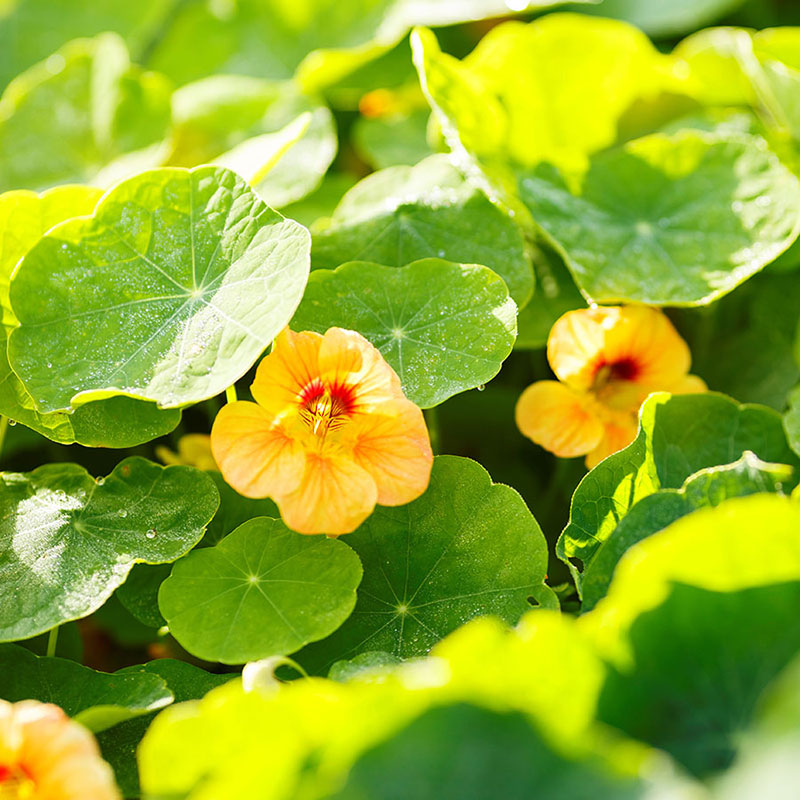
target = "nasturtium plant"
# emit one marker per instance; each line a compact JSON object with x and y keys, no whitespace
{"x":443,"y":327}
{"x":434,"y":564}
{"x":402,"y":214}
{"x":262,"y":591}
{"x":96,"y":699}
{"x":194,"y":276}
{"x":334,"y":456}
{"x":678,"y":436}
{"x":68,"y":540}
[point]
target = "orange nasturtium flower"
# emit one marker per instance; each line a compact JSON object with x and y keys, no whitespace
{"x":607,"y":361}
{"x":44,"y":755}
{"x":330,"y":434}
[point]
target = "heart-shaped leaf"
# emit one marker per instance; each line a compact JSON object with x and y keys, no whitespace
{"x":99,"y":700}
{"x":439,"y":561}
{"x":637,"y":225}
{"x":403,"y":214}
{"x":68,"y":540}
{"x":169,"y":292}
{"x":264,"y":590}
{"x":443,"y":327}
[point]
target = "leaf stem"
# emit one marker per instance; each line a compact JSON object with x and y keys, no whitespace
{"x":3,"y":429}
{"x":432,"y":420}
{"x":52,"y":641}
{"x":230,"y":394}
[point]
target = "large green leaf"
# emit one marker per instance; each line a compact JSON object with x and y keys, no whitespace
{"x":68,"y":540}
{"x":235,"y":509}
{"x":96,"y":699}
{"x":264,"y":590}
{"x":118,"y":422}
{"x":394,"y":140}
{"x":668,"y":220}
{"x":437,"y":562}
{"x":225,"y":117}
{"x":552,"y":90}
{"x":402,"y":214}
{"x":168,"y":292}
{"x":708,"y":487}
{"x":443,"y":327}
{"x":678,"y":436}
{"x":698,"y":619}
{"x":118,"y":745}
{"x":84,"y":115}
{"x":460,"y":751}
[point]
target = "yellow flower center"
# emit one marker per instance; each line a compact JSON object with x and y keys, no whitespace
{"x":325,"y":408}
{"x":15,"y":784}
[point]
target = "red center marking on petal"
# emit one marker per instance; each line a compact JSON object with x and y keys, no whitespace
{"x":326,"y":407}
{"x":626,"y":369}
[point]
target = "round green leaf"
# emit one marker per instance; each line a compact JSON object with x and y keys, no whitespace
{"x":708,"y":487}
{"x":68,"y":540}
{"x":443,"y":327}
{"x":678,"y":436}
{"x":698,"y":619}
{"x":96,"y":699}
{"x":403,"y":214}
{"x":668,"y":220}
{"x":169,"y":292}
{"x":464,"y":548}
{"x":117,"y":422}
{"x":84,"y":115}
{"x":264,"y":590}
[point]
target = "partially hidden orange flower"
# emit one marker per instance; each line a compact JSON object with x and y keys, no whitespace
{"x":44,"y":755}
{"x":330,"y":434}
{"x":607,"y":361}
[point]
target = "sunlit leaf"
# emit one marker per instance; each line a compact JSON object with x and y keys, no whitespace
{"x":264,"y":590}
{"x":403,"y":214}
{"x":708,"y":487}
{"x":443,"y":327}
{"x":168,"y":292}
{"x":678,"y":436}
{"x":110,"y":118}
{"x":99,"y":700}
{"x":438,"y":562}
{"x":668,"y":220}
{"x":698,"y":619}
{"x":68,"y":540}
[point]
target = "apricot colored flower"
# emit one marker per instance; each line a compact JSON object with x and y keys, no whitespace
{"x":330,"y":434}
{"x":194,"y":450}
{"x":44,"y":755}
{"x":607,"y":361}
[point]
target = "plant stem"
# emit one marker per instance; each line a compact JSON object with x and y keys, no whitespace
{"x":432,"y":420}
{"x":230,"y":394}
{"x":52,"y":641}
{"x":3,"y":429}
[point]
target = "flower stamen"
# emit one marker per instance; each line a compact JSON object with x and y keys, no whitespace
{"x":325,"y":408}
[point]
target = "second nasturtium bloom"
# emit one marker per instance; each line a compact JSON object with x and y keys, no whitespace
{"x":330,"y":434}
{"x":44,"y":755}
{"x":607,"y":361}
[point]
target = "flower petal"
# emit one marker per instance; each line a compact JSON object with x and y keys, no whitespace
{"x":575,"y":345}
{"x":256,"y":455}
{"x":559,"y":419}
{"x":646,"y":338}
{"x":283,"y":373}
{"x":334,"y":496}
{"x":396,"y":451}
{"x":688,"y":384}
{"x":618,"y":433}
{"x":347,"y":358}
